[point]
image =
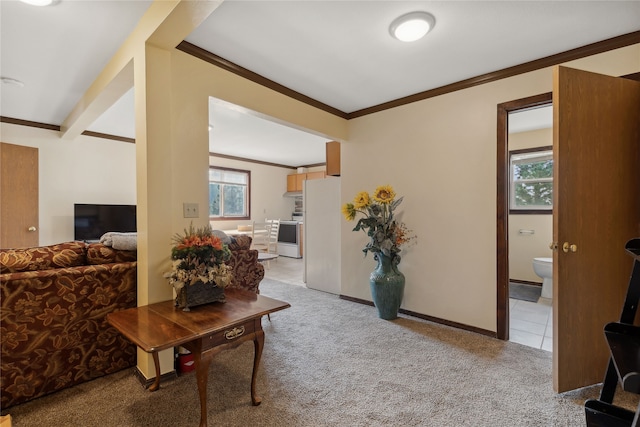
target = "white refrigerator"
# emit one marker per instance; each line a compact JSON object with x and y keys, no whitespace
{"x":321,"y":242}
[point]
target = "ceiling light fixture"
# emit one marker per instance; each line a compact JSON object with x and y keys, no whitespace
{"x":412,"y":26}
{"x":39,"y":2}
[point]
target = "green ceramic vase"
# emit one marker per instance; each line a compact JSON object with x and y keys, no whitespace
{"x":387,"y":287}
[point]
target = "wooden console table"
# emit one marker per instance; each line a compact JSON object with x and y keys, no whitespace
{"x":204,"y":331}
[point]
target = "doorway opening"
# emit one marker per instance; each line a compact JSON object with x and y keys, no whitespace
{"x":531,"y":188}
{"x":502,"y":202}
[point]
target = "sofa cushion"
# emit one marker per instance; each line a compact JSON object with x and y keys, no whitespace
{"x":70,"y":254}
{"x":97,"y":253}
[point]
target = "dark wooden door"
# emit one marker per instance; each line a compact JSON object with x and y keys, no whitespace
{"x":18,"y":196}
{"x":596,"y":210}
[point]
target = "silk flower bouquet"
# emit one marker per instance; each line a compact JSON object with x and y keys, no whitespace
{"x":199,"y":256}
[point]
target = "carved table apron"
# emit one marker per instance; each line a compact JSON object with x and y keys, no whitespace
{"x":205,"y":331}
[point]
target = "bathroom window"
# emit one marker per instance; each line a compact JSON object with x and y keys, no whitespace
{"x":229,"y":193}
{"x":531,"y":186}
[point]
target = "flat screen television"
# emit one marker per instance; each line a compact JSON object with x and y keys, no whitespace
{"x":90,"y":221}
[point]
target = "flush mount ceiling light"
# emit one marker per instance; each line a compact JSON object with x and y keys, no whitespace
{"x":412,"y":26}
{"x":40,"y":2}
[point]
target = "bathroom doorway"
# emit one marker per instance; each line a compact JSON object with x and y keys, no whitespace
{"x":596,"y":212}
{"x":530,"y":226}
{"x":502,"y":232}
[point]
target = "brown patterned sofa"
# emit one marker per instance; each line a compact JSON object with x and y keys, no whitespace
{"x":54,"y":301}
{"x":247,"y":271}
{"x":53,"y":330}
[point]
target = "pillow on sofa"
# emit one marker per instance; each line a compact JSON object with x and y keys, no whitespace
{"x":120,"y":241}
{"x":240,"y":242}
{"x":224,"y":237}
{"x":97,"y":253}
{"x":70,"y":254}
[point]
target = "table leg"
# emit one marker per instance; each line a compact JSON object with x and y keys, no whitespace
{"x":258,"y":344}
{"x":202,"y":377}
{"x":156,"y":384}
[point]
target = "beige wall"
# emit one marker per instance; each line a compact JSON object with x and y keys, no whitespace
{"x":83,"y":170}
{"x":172,"y":91}
{"x":195,"y":82}
{"x":524,"y":247}
{"x":440,"y":154}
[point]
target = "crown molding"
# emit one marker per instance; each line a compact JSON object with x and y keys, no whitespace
{"x":260,"y":162}
{"x":56,"y":128}
{"x":560,"y":58}
{"x":218,"y":61}
{"x":29,"y":123}
{"x":549,"y":61}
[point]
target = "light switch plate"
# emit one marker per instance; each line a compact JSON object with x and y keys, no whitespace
{"x":190,"y":210}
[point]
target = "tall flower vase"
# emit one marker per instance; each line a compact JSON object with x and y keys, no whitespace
{"x":387,"y":287}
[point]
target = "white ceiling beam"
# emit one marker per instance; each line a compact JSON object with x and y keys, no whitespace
{"x":165,"y":24}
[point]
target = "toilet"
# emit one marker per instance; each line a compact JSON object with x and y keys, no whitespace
{"x":543,"y":267}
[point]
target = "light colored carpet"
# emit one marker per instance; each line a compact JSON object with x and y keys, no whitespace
{"x":331,"y":362}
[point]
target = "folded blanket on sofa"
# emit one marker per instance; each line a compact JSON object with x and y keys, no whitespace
{"x":120,"y":241}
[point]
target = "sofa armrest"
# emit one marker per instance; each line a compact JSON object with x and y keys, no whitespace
{"x":247,"y":271}
{"x":55,"y":328}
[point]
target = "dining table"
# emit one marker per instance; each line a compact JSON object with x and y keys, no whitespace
{"x":236,"y":232}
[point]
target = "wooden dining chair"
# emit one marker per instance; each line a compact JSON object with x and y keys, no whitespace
{"x":273,"y":228}
{"x":268,"y":241}
{"x":259,"y":234}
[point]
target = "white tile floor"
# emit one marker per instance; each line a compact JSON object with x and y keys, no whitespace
{"x":530,"y":323}
{"x":285,"y":269}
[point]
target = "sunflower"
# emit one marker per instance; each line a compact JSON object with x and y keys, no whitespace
{"x":386,"y":234}
{"x":349,"y":211}
{"x":362,"y":200}
{"x":384,"y":194}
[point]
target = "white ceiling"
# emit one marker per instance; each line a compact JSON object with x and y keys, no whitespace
{"x":532,"y":119}
{"x":337,"y":52}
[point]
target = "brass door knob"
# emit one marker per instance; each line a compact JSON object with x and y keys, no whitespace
{"x":566,"y":247}
{"x":32,"y":229}
{"x":553,"y":246}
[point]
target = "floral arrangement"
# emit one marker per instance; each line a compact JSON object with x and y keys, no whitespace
{"x":198,"y":255}
{"x":386,"y":234}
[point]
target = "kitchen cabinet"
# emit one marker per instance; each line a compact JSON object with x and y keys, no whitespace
{"x":333,"y":158}
{"x":294,"y":181}
{"x":315,"y":175}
